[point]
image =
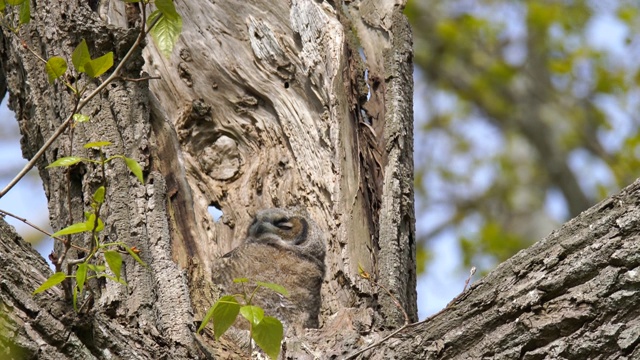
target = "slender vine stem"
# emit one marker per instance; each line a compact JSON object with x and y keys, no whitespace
{"x":81,"y":104}
{"x":4,"y":212}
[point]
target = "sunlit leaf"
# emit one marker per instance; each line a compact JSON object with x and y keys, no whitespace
{"x":80,"y":56}
{"x":167,"y":8}
{"x":81,"y":275}
{"x":56,"y":67}
{"x":135,"y":168}
{"x":254,"y":314}
{"x":72,"y":229}
{"x":423,"y":257}
{"x":66,"y":161}
{"x":98,"y":196}
{"x":97,"y":144}
{"x":97,"y":268}
{"x":25,"y":12}
{"x":275,"y":287}
{"x":224,"y":314}
{"x":52,"y":281}
{"x":99,"y":66}
{"x":268,"y":335}
{"x":240,"y":280}
{"x":114,"y":260}
{"x":79,"y":118}
{"x":91,"y":222}
{"x":628,"y":14}
{"x":166,"y":31}
{"x":206,"y":319}
{"x":135,"y":256}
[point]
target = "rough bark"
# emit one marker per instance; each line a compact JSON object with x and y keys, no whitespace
{"x":262,"y":104}
{"x":573,"y":295}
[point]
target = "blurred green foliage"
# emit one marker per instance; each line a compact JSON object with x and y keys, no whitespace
{"x":526,"y":115}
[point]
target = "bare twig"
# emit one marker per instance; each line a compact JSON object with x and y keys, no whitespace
{"x":466,"y":283}
{"x":4,"y":212}
{"x":367,"y":276}
{"x":140,"y":79}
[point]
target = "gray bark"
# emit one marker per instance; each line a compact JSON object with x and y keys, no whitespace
{"x":572,"y":295}
{"x":262,"y":104}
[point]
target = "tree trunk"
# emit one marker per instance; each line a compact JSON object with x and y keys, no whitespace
{"x":269,"y":105}
{"x":262,"y":104}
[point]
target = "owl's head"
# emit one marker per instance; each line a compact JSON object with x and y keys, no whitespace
{"x":287,"y":229}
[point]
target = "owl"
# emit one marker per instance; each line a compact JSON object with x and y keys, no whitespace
{"x":285,"y":248}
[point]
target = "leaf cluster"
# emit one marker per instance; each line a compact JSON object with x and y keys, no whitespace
{"x":93,"y":224}
{"x":24,"y":13}
{"x":165,"y":25}
{"x":266,"y":331}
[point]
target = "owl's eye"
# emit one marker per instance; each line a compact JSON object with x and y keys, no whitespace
{"x":284,"y":224}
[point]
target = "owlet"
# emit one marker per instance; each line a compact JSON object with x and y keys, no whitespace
{"x":285,"y":248}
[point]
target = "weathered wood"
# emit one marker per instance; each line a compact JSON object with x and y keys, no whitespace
{"x":270,"y":109}
{"x":272,"y":103}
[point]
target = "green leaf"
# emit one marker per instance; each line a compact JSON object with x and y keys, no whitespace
{"x":167,"y":8}
{"x":66,"y":161}
{"x":224,"y":314}
{"x":14,"y":2}
{"x":56,"y":67}
{"x":80,"y":56}
{"x":135,"y":256}
{"x":268,"y":335}
{"x":166,"y":31}
{"x":275,"y":287}
{"x":98,"y":196}
{"x":99,"y":66}
{"x":79,"y":118}
{"x":25,"y":12}
{"x":135,"y":168}
{"x":206,"y":319}
{"x":97,"y":268}
{"x":90,"y":223}
{"x":81,"y":275}
{"x":240,"y":280}
{"x":2,"y":6}
{"x":114,"y":260}
{"x":97,"y":144}
{"x":254,"y":314}
{"x":52,"y":281}
{"x":72,"y":229}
